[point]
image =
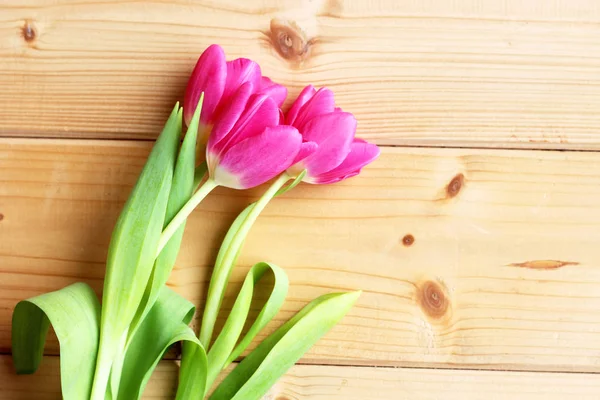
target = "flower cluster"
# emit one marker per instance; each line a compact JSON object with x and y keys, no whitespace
{"x":249,"y":140}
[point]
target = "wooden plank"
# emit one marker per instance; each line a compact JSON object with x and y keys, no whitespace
{"x":316,"y":382}
{"x":466,"y":257}
{"x":503,"y":73}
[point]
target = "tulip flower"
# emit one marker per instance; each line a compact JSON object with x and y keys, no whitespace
{"x":338,"y":154}
{"x":220,"y":80}
{"x":247,"y":147}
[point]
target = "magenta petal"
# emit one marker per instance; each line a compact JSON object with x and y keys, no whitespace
{"x":209,"y":76}
{"x":260,"y":112}
{"x":306,"y":149}
{"x":259,"y":158}
{"x":333,"y":133}
{"x":361,"y":154}
{"x":228,"y":118}
{"x":329,"y":181}
{"x":274,"y":90}
{"x":240,"y":71}
{"x":306,"y":94}
{"x":322,"y":102}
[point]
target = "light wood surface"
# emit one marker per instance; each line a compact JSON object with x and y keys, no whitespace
{"x":505,"y":73}
{"x":470,"y":255}
{"x":316,"y":382}
{"x":466,"y":257}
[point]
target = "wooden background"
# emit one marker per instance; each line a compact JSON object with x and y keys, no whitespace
{"x":475,"y":236}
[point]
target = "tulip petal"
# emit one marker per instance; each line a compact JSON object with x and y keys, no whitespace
{"x":209,"y":76}
{"x":361,"y":154}
{"x":321,"y":103}
{"x":306,"y":94}
{"x":274,"y":90}
{"x":306,"y":149}
{"x":229,"y":116}
{"x":259,"y":158}
{"x":333,"y":134}
{"x":240,"y":71}
{"x":260,"y":112}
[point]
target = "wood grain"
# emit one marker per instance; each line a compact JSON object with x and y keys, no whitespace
{"x":503,"y":73}
{"x":317,"y":382}
{"x":502,"y":269}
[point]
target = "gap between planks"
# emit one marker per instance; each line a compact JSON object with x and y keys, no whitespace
{"x":495,"y":146}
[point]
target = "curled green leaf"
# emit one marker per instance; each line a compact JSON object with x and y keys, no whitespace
{"x":165,"y":324}
{"x":228,"y":254}
{"x":222,"y":353}
{"x":193,"y":370}
{"x":74,"y":313}
{"x":253,"y":377}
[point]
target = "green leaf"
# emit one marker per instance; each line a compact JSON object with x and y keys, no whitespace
{"x":253,"y":377}
{"x":193,"y":370}
{"x":199,"y":174}
{"x":181,"y":191}
{"x":133,"y":246}
{"x":74,"y":313}
{"x":222,"y":353}
{"x":165,"y":324}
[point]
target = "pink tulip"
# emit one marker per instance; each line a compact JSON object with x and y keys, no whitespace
{"x":329,"y":152}
{"x":247,"y":146}
{"x":220,"y":80}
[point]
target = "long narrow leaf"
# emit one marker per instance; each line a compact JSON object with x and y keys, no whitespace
{"x":132,"y":250}
{"x":133,"y":246}
{"x":164,"y":325}
{"x":194,"y":367}
{"x":253,"y":377}
{"x":74,"y":313}
{"x":223,"y":352}
{"x":181,"y":191}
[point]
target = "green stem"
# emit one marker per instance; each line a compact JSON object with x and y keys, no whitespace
{"x":220,"y":276}
{"x":185,"y":212}
{"x":102,"y":374}
{"x":117,"y":366}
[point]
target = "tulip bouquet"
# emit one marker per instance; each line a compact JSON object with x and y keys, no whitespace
{"x":237,"y":137}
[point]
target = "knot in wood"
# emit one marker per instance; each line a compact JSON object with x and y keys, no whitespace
{"x":289,"y":40}
{"x":28,"y":31}
{"x":408,"y":240}
{"x":433,"y":299}
{"x":455,"y":185}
